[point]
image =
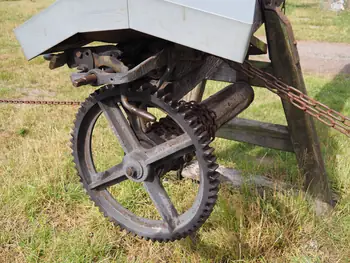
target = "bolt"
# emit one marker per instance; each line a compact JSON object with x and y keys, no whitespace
{"x":130,"y":171}
{"x":78,"y":54}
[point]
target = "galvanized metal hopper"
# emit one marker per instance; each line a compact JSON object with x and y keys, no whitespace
{"x":201,"y":25}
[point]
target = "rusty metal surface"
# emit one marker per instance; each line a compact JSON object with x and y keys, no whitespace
{"x":111,"y":61}
{"x":316,"y":109}
{"x":105,"y":77}
{"x":136,"y":111}
{"x":39,"y":102}
{"x":86,"y":80}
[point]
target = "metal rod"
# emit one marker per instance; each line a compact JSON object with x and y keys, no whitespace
{"x":89,"y":79}
{"x":138,"y":112}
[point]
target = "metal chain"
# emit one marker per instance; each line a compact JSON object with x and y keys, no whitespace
{"x":39,"y":102}
{"x":206,"y":117}
{"x":166,"y":127}
{"x":300,"y":100}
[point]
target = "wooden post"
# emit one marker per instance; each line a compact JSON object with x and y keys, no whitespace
{"x":197,"y":93}
{"x":286,"y":65}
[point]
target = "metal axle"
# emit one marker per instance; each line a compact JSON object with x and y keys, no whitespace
{"x":230,"y":101}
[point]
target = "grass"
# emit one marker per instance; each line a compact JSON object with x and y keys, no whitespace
{"x":310,"y":22}
{"x":45,"y":215}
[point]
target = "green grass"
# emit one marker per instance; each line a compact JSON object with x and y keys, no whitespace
{"x":45,"y":215}
{"x":310,"y":22}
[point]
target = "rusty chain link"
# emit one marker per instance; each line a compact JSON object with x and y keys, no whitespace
{"x":39,"y":102}
{"x":205,"y":117}
{"x":300,"y":100}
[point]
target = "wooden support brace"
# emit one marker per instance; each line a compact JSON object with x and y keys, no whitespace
{"x":286,"y":64}
{"x":259,"y":133}
{"x":197,"y":93}
{"x":225,"y":73}
{"x":257,"y":47}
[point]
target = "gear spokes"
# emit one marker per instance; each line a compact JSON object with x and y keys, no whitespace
{"x":144,"y":161}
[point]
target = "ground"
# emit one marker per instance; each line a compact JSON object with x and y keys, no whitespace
{"x":45,"y":215}
{"x":323,"y":58}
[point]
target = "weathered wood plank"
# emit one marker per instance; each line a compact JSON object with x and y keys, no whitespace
{"x":257,"y":47}
{"x":258,"y":133}
{"x":226,"y":74}
{"x":197,"y":93}
{"x":286,"y":64}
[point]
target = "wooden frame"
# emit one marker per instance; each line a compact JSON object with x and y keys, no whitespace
{"x":300,"y":135}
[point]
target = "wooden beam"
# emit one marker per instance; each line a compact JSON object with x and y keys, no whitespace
{"x":258,"y":133}
{"x":197,"y":93}
{"x":286,"y":64}
{"x":257,"y":47}
{"x":226,"y":74}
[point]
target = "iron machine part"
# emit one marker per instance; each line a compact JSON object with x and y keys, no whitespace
{"x":184,"y":133}
{"x":144,"y":163}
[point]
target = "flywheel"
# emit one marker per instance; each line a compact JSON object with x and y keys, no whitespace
{"x":148,"y":152}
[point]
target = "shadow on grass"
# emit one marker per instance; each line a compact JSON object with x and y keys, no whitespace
{"x":304,"y":5}
{"x":334,"y":94}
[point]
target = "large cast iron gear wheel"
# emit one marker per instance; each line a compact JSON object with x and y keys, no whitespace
{"x":144,"y":163}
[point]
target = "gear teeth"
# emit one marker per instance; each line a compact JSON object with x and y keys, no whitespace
{"x":212,"y":167}
{"x":166,"y":98}
{"x":206,"y":143}
{"x":192,"y":121}
{"x":202,"y":141}
{"x":187,"y":113}
{"x":203,"y":137}
{"x":211,"y":159}
{"x":172,"y":103}
{"x":198,"y":130}
{"x":208,"y":152}
{"x":180,"y":107}
{"x":212,"y":200}
{"x":214,"y":186}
